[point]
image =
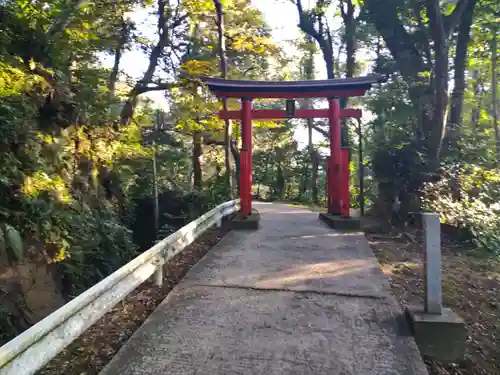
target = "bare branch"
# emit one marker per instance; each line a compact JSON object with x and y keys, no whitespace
{"x":307,"y":25}
{"x":122,"y":40}
{"x":157,"y":87}
{"x":323,"y":132}
{"x":164,"y":40}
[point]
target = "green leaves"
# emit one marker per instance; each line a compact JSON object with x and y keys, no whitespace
{"x":466,"y":197}
{"x":11,"y":241}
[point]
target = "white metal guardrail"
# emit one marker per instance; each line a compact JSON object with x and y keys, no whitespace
{"x":35,"y":347}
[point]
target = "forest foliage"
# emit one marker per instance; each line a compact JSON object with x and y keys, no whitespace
{"x":79,"y":132}
{"x":78,"y":135}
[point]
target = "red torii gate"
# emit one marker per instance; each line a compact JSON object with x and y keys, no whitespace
{"x":332,"y":89}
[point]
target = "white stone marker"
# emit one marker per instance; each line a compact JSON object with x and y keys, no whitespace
{"x":432,"y":251}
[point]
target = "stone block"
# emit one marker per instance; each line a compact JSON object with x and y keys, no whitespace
{"x":239,"y":222}
{"x":441,"y":337}
{"x":341,"y":222}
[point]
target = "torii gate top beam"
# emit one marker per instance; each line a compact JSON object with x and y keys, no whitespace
{"x":225,"y":88}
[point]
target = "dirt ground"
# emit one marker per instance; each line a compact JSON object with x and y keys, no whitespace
{"x":471,"y":285}
{"x":94,"y":349}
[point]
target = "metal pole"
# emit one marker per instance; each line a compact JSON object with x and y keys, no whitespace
{"x":361,"y":172}
{"x":155,"y":178}
{"x":328,"y":186}
{"x":335,"y":155}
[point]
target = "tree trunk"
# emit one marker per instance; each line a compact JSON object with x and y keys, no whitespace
{"x":309,"y":74}
{"x":314,"y":176}
{"x":329,"y":61}
{"x":322,"y":36}
{"x":347,"y":12}
{"x":434,"y":132}
{"x":383,"y":205}
{"x":430,"y":98}
{"x":197,"y":160}
{"x":236,"y":156}
{"x":310,"y":149}
{"x":163,"y":40}
{"x":223,"y":74}
{"x":476,"y":109}
{"x":303,"y":181}
{"x":494,"y":57}
{"x":122,"y":40}
{"x":349,"y":37}
{"x":457,"y":96}
{"x":280,"y":182}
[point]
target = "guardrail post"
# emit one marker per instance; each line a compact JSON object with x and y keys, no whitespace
{"x":158,"y":276}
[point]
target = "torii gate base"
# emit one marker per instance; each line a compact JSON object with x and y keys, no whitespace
{"x":338,"y":164}
{"x":239,"y":221}
{"x":344,"y":221}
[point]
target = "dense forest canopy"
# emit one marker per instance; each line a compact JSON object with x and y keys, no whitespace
{"x":85,"y":154}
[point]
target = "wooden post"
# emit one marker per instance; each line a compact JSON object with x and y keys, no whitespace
{"x":335,"y":155}
{"x":432,"y":252}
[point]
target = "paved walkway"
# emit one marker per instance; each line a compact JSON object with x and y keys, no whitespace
{"x":293,"y":297}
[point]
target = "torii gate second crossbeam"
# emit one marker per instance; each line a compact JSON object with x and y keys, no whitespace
{"x":332,"y":89}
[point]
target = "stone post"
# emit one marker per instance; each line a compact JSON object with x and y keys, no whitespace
{"x":432,"y":251}
{"x":440,"y":333}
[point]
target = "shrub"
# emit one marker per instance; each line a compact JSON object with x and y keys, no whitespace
{"x":466,"y":197}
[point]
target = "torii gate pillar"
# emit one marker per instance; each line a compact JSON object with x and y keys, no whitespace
{"x":246,"y":157}
{"x":334,"y":179}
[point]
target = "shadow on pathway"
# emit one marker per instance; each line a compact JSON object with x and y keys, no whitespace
{"x":293,"y":297}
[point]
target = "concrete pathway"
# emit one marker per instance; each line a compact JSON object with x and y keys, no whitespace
{"x":293,"y":297}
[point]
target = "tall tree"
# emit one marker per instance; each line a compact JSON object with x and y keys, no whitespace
{"x":123,"y":37}
{"x":223,"y":72}
{"x":494,"y":89}
{"x":308,"y":69}
{"x":313,"y":22}
{"x":237,"y":45}
{"x":459,"y":66}
{"x":423,"y":66}
{"x":347,"y":10}
{"x":170,"y":18}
